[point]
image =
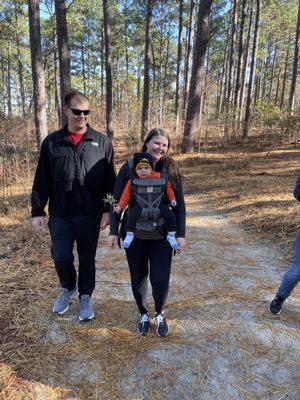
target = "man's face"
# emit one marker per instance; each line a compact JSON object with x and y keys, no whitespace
{"x":143,"y":171}
{"x":77,"y":120}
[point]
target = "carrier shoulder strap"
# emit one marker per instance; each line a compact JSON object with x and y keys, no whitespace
{"x":165,"y":173}
{"x":132,"y":174}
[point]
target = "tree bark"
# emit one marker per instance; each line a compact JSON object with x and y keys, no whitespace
{"x":9,"y":104}
{"x":240,"y":53}
{"x":83,"y":66}
{"x":277,"y":87}
{"x":244,"y":68}
{"x":199,"y":52}
{"x":145,"y":108}
{"x":37,"y":71}
{"x":252,"y":72}
{"x":284,"y":79}
{"x":188,"y":58}
{"x":20,"y":66}
{"x":232,"y":48}
{"x":272,"y":73}
{"x":56,"y":89}
{"x":178,"y":69}
{"x":295,"y":64}
{"x":63,"y":52}
{"x":108,"y":81}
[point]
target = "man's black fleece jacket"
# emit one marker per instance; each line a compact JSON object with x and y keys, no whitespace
{"x":75,"y":179}
{"x":179,"y":210}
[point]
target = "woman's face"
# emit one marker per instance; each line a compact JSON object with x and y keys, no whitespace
{"x":157,"y":147}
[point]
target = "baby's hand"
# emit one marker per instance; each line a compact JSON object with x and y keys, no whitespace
{"x":173,"y":203}
{"x":117,"y":209}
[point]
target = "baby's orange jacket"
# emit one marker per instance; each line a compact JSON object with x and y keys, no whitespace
{"x":127,"y":195}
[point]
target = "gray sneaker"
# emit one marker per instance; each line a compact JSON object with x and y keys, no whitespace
{"x":85,"y":308}
{"x":61,"y":304}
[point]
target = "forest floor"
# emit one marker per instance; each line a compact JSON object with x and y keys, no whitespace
{"x":223,"y":342}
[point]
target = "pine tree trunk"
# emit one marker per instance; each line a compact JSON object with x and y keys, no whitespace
{"x":63,"y":52}
{"x":244,"y":68}
{"x":145,"y":108}
{"x":240,"y":53}
{"x":199,"y":52}
{"x":83,"y":66}
{"x":295,"y":64}
{"x":9,"y":105}
{"x":272,"y":73}
{"x":37,"y":71}
{"x":277,"y":87}
{"x":56,"y":88}
{"x":178,"y":69}
{"x":106,"y":18}
{"x":20,"y":66}
{"x":284,"y":79}
{"x":188,"y":58}
{"x":102,"y":68}
{"x":2,"y":83}
{"x":166,"y":65}
{"x":232,"y":48}
{"x":252,"y":73}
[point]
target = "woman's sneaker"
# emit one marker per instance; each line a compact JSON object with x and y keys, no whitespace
{"x":162,"y":327}
{"x":143,"y":326}
{"x":276,"y":304}
{"x":62,"y":303}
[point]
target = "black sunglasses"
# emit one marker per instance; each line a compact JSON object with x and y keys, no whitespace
{"x":78,"y":112}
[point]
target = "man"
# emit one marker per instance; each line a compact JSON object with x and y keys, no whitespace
{"x":75,"y":173}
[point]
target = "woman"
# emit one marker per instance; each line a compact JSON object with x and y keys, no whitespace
{"x":152,"y":254}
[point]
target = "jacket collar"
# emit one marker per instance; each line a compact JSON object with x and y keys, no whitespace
{"x":89,"y":134}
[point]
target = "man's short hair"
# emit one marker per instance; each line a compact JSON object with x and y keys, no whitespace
{"x":75,"y":94}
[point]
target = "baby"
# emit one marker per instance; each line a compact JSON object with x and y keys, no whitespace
{"x":143,"y":166}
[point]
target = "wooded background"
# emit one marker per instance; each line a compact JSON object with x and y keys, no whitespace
{"x":204,"y":69}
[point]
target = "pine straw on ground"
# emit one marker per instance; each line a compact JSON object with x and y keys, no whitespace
{"x":253,"y":189}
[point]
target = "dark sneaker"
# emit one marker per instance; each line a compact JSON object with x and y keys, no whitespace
{"x":62,"y":303}
{"x":143,"y":326}
{"x":162,"y":327}
{"x":85,"y":308}
{"x":276,"y":304}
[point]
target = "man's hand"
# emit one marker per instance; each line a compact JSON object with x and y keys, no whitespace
{"x":112,"y":241}
{"x":117,"y":209}
{"x":104,"y":221}
{"x":181,"y":242}
{"x":38,"y":225}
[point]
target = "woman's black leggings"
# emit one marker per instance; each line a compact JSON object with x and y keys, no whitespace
{"x":156,"y":255}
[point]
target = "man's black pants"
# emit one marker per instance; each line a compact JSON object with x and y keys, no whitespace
{"x":84,"y":230}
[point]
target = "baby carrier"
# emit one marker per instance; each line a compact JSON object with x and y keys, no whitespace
{"x":148,"y":193}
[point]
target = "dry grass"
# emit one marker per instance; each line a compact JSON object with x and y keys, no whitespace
{"x":252,"y":188}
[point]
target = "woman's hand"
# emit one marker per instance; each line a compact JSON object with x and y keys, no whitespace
{"x":112,"y":241}
{"x":181,"y":242}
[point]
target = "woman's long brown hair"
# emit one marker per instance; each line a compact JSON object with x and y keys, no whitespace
{"x":170,"y":163}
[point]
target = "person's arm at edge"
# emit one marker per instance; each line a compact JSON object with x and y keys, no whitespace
{"x":41,"y":188}
{"x":297,"y":189}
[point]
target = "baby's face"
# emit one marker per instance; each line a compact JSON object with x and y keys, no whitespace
{"x":143,"y":172}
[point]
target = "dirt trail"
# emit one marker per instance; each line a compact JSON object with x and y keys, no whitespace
{"x":223,"y":342}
